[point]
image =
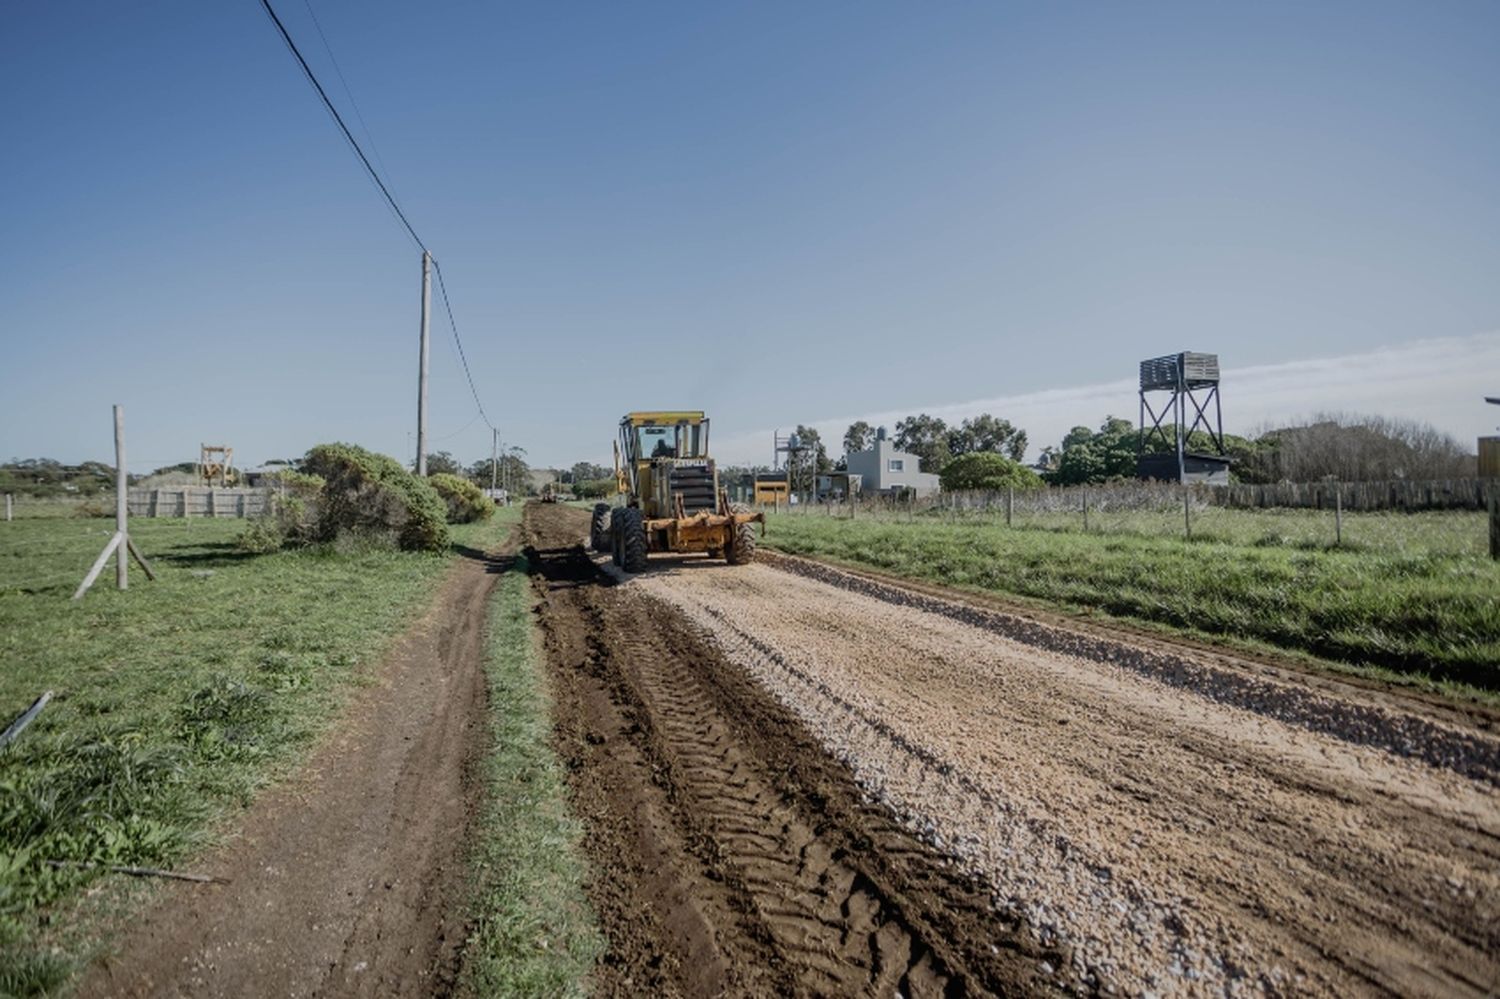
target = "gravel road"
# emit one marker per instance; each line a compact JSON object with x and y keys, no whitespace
{"x":1187,"y":828}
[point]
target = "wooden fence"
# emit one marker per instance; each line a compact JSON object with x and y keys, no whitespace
{"x":1401,"y":495}
{"x":197,"y":501}
{"x":1440,"y":494}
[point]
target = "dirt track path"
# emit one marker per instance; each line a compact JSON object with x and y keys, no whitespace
{"x":1145,"y":820}
{"x":349,"y":879}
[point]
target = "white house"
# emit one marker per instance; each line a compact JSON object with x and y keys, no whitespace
{"x":883,"y":469}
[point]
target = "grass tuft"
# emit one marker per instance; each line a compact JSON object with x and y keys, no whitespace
{"x":533,"y":933}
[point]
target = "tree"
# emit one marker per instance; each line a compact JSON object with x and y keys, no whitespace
{"x":586,"y":471}
{"x":1362,"y":449}
{"x":988,"y":433}
{"x":443,"y":463}
{"x":927,"y":438}
{"x":806,"y":463}
{"x":595,"y":488}
{"x":987,"y":470}
{"x":1097,"y":456}
{"x":858,"y":437}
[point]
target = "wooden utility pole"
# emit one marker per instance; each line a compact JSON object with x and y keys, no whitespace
{"x":494,"y":458}
{"x":422,"y":369}
{"x":120,"y":544}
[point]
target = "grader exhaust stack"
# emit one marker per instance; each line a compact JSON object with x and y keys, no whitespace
{"x":673,"y":499}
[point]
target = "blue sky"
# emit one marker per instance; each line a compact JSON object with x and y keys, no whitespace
{"x":779,"y":212}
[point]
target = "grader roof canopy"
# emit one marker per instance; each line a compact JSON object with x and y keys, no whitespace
{"x":647,"y":419}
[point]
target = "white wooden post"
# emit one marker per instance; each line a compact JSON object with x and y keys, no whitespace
{"x":119,"y":543}
{"x":8,"y":499}
{"x":122,"y":496}
{"x":1338,"y":515}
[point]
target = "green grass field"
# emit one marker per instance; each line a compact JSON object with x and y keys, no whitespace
{"x":175,"y":700}
{"x":1421,"y":604}
{"x":533,"y":933}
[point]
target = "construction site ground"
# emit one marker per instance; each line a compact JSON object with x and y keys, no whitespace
{"x":801,"y":780}
{"x":796,"y":780}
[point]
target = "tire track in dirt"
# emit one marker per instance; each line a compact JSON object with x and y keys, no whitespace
{"x":350,"y":878}
{"x":731,"y":854}
{"x":1169,"y":841}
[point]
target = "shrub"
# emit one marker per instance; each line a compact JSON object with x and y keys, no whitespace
{"x":595,"y":488}
{"x":290,"y":516}
{"x":372,"y":496}
{"x":466,"y":501}
{"x":987,"y":470}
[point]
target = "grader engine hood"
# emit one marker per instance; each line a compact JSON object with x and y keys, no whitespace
{"x":690,"y":483}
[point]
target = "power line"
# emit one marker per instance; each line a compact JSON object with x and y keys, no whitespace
{"x":375,"y":176}
{"x":459,"y":340}
{"x":347,"y":92}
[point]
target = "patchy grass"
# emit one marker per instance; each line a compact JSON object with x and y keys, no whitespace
{"x":1425,"y":616}
{"x":176,"y":700}
{"x":533,"y":933}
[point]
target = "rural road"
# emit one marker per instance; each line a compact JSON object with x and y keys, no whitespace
{"x":349,"y":879}
{"x":796,"y":780}
{"x":1073,"y":811}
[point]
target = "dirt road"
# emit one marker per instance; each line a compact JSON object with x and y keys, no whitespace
{"x":348,"y":880}
{"x":800,"y":780}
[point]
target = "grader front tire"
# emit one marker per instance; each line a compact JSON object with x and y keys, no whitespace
{"x":630,"y":543}
{"x":741,"y":548}
{"x":599,"y":528}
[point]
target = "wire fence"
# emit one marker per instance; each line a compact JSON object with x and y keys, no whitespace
{"x":1322,"y":519}
{"x":48,"y":552}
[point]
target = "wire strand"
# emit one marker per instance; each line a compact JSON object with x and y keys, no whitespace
{"x":448,"y":307}
{"x":311,"y":78}
{"x":347,"y":92}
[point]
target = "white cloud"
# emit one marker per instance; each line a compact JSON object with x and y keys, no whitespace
{"x":1441,"y":381}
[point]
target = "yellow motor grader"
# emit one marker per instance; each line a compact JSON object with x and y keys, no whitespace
{"x":673,"y":500}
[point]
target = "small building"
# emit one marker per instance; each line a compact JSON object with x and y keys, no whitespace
{"x":836,"y":487}
{"x":885,"y":470}
{"x":1209,"y":469}
{"x":771,"y":489}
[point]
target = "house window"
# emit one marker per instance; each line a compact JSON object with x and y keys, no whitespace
{"x":895,"y":465}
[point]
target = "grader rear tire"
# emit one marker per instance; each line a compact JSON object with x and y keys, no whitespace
{"x":630,"y":539}
{"x":599,"y":528}
{"x":742,"y":543}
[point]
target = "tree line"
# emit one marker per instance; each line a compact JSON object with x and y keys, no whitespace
{"x":986,"y":451}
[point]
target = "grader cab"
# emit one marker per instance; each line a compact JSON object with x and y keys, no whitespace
{"x":673,"y":499}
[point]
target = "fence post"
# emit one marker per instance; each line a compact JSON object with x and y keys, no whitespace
{"x":8,"y":501}
{"x":1494,"y":524}
{"x":1338,"y":515}
{"x":1187,"y":512}
{"x":1010,"y":501}
{"x":1085,"y":510}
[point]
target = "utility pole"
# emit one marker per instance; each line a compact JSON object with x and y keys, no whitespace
{"x":422,"y":371}
{"x":494,"y":458}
